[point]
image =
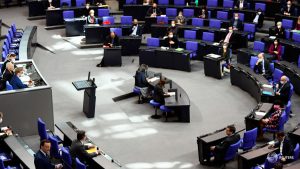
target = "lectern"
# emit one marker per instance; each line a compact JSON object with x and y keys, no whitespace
{"x":89,"y":100}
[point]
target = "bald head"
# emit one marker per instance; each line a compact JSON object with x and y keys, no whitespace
{"x":10,"y":66}
{"x":283,"y":79}
{"x":261,"y":56}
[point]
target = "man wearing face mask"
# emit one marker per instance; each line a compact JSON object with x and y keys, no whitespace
{"x":16,"y":81}
{"x":78,"y":149}
{"x":279,"y":30}
{"x":154,"y":11}
{"x":289,"y":9}
{"x":173,"y":28}
{"x":136,"y":29}
{"x":259,"y":18}
{"x":9,"y":58}
{"x":262,"y":66}
{"x":236,"y":23}
{"x":171,"y":41}
{"x":283,"y":91}
{"x":42,"y":157}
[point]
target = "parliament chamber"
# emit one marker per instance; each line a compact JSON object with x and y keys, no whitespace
{"x":150,"y":84}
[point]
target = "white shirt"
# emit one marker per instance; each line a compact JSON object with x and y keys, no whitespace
{"x":134,"y":30}
{"x":255,"y":20}
{"x":281,"y":146}
{"x":241,"y":4}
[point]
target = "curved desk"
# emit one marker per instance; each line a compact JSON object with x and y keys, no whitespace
{"x":28,"y":43}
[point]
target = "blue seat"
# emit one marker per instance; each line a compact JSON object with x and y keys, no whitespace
{"x":68,"y":14}
{"x":197,"y":22}
{"x":43,"y":132}
{"x":65,"y":3}
{"x":137,"y":91}
{"x":179,"y":2}
{"x":272,"y":67}
{"x":163,"y":2}
{"x":8,"y":86}
{"x":153,"y":42}
{"x":163,"y":20}
{"x":277,"y":74}
{"x":261,"y":6}
{"x":270,"y":161}
{"x":118,"y":31}
{"x":79,"y":164}
{"x":208,"y":36}
{"x":291,"y":91}
{"x":296,"y":152}
{"x":299,"y":61}
{"x":249,"y":139}
{"x":214,"y":23}
{"x":189,"y":34}
{"x":249,"y":27}
{"x":253,"y":61}
{"x":280,"y":127}
{"x":108,"y":20}
{"x":126,"y":20}
{"x":296,"y":37}
{"x":3,"y":167}
{"x":288,"y":108}
{"x":55,"y":149}
{"x":17,"y":33}
{"x":80,"y":3}
{"x":4,"y":54}
{"x":156,"y":105}
{"x":228,"y":4}
{"x":66,"y":158}
{"x":212,"y":3}
{"x":222,"y":15}
{"x":287,"y":23}
{"x":259,"y":46}
{"x":171,"y":12}
{"x":282,"y":51}
{"x":232,"y":150}
{"x":13,"y":37}
{"x":189,"y":13}
{"x":192,"y":46}
{"x":165,"y":110}
{"x":130,"y":2}
{"x":103,"y":12}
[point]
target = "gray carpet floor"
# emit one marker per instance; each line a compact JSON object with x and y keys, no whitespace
{"x":124,"y":129}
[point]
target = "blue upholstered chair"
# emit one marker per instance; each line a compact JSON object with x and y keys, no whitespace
{"x":43,"y":132}
{"x":163,"y":20}
{"x":189,"y":34}
{"x":212,"y":3}
{"x":299,"y":61}
{"x":259,"y":46}
{"x":166,"y":110}
{"x":249,"y":139}
{"x":156,"y":105}
{"x":296,"y":37}
{"x":65,"y":3}
{"x":68,"y":14}
{"x":208,"y":36}
{"x":253,"y":61}
{"x":228,"y":3}
{"x":214,"y":23}
{"x":108,"y":20}
{"x":163,"y":2}
{"x":103,"y":12}
{"x":277,"y":74}
{"x":79,"y":164}
{"x":296,"y":152}
{"x":80,"y":3}
{"x":287,"y":23}
{"x":17,"y":33}
{"x":272,"y":67}
{"x":232,"y":151}
{"x":197,"y":22}
{"x":288,"y":108}
{"x":280,"y":125}
{"x":153,"y":42}
{"x":9,"y":86}
{"x":189,"y":13}
{"x":249,"y":27}
{"x":222,"y":15}
{"x":55,"y":149}
{"x":192,"y":46}
{"x":179,"y":2}
{"x":126,"y":20}
{"x":130,"y":2}
{"x":261,"y":6}
{"x":66,"y":158}
{"x":118,"y":31}
{"x":171,"y":12}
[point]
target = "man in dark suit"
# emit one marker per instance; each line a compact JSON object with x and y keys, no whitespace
{"x":111,"y":40}
{"x":154,"y":11}
{"x":171,"y":41}
{"x":288,"y":9}
{"x":283,"y":91}
{"x":78,"y":149}
{"x":236,"y":23}
{"x":259,"y":18}
{"x":42,"y":157}
{"x":221,"y":149}
{"x":286,"y":149}
{"x":136,"y":29}
{"x":279,"y":31}
{"x":229,"y":38}
{"x":241,"y":4}
{"x":262,"y":66}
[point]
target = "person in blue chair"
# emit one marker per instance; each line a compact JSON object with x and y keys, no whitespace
{"x":262,"y":66}
{"x":220,"y":150}
{"x":171,"y":41}
{"x":136,"y":29}
{"x":16,"y":81}
{"x":159,"y":94}
{"x":9,"y":58}
{"x":225,"y":53}
{"x":282,"y":91}
{"x":141,"y":81}
{"x":6,"y":75}
{"x":286,"y":148}
{"x":42,"y":157}
{"x":173,"y":28}
{"x":236,"y":23}
{"x":259,"y":18}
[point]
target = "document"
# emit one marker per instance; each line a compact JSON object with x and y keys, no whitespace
{"x":267,"y":93}
{"x":214,"y":56}
{"x":267,"y":86}
{"x":171,"y":93}
{"x":259,"y":113}
{"x":216,"y":44}
{"x":153,"y":79}
{"x":272,"y":37}
{"x":92,"y":150}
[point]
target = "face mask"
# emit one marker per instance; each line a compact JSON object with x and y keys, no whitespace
{"x":13,"y":60}
{"x":173,"y":25}
{"x":282,"y":82}
{"x":278,"y":26}
{"x":230,"y":31}
{"x":1,"y":120}
{"x":236,"y":18}
{"x":259,"y":13}
{"x":275,"y":43}
{"x":170,"y":36}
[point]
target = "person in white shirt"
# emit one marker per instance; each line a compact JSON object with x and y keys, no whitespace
{"x":259,"y":18}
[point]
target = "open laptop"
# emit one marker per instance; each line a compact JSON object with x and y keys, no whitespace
{"x":145,"y":37}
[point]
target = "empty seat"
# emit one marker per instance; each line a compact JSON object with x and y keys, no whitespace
{"x":214,"y":23}
{"x":171,"y":12}
{"x":189,"y":34}
{"x":197,"y":22}
{"x":188,"y":13}
{"x":162,"y":20}
{"x":68,"y":14}
{"x":103,"y":12}
{"x":153,"y":42}
{"x":212,"y":3}
{"x":163,"y":2}
{"x":261,"y":6}
{"x":222,"y":15}
{"x":126,"y":20}
{"x":259,"y":46}
{"x":208,"y":36}
{"x":108,"y":20}
{"x":118,"y":31}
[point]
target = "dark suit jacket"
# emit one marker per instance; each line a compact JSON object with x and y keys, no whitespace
{"x":237,"y":4}
{"x":174,"y":30}
{"x":231,"y":39}
{"x":5,"y":77}
{"x":259,"y":67}
{"x":221,"y":148}
{"x":284,"y":92}
{"x":279,"y":33}
{"x":291,"y":11}
{"x":140,"y":79}
{"x":150,"y":11}
{"x":239,"y":24}
{"x":287,"y":149}
{"x":139,"y":30}
{"x":174,"y":39}
{"x":115,"y":42}
{"x":42,"y":162}
{"x":260,"y":20}
{"x":158,"y":95}
{"x":79,"y":150}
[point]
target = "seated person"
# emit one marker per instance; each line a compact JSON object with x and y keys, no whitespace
{"x":298,"y":24}
{"x":86,"y":10}
{"x":278,"y":165}
{"x":158,"y":92}
{"x":275,"y":50}
{"x":229,"y":38}
{"x":220,"y":150}
{"x":203,"y":13}
{"x":16,"y":81}
{"x":9,"y":58}
{"x":136,"y":29}
{"x":289,"y":9}
{"x":112,"y":40}
{"x":259,"y":18}
{"x":78,"y":149}
{"x":225,"y":53}
{"x":91,"y":18}
{"x":270,"y":122}
{"x":282,"y":91}
{"x":171,"y":41}
{"x":173,"y":28}
{"x":180,"y":19}
{"x":262,"y":66}
{"x":236,"y":23}
{"x":286,"y":149}
{"x":241,"y":4}
{"x":5,"y":131}
{"x":99,"y":2}
{"x":42,"y":157}
{"x":147,"y":2}
{"x":153,"y":11}
{"x":141,"y":80}
{"x":279,"y":30}
{"x":50,"y":5}
{"x":7,"y":75}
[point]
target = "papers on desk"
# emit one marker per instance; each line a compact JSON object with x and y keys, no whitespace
{"x":267,"y":86}
{"x":216,"y":44}
{"x":179,"y":49}
{"x":272,"y":37}
{"x":267,"y":93}
{"x":213,"y":55}
{"x":164,"y":48}
{"x":259,"y":113}
{"x":172,"y":93}
{"x":92,"y":150}
{"x":25,"y":79}
{"x":271,"y":142}
{"x":4,"y":128}
{"x":223,"y":29}
{"x":153,"y":79}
